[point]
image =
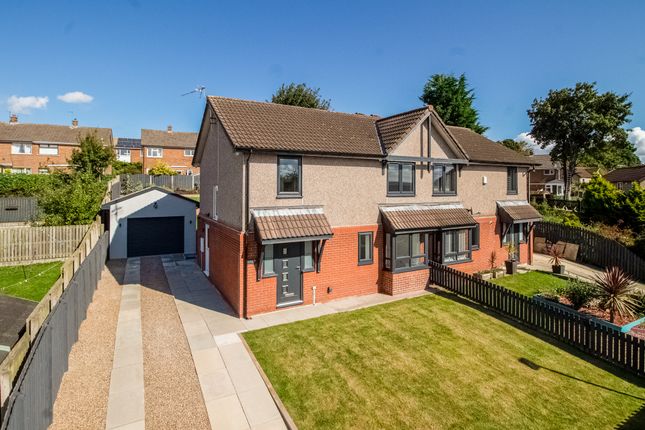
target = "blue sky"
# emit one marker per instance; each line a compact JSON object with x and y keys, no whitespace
{"x":135,"y":57}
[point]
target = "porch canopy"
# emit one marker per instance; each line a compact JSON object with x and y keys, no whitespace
{"x":517,"y":211}
{"x":282,"y":225}
{"x":426,"y":217}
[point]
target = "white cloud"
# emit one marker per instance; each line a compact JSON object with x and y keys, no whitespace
{"x":526,"y":137}
{"x":637,"y":137}
{"x":26,"y":104}
{"x":76,"y":97}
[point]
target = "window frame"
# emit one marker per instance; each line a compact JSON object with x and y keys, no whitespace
{"x":189,"y":152}
{"x":468,"y":252}
{"x":399,"y":192}
{"x":150,"y":148}
{"x":370,"y":260}
{"x":21,"y":144}
{"x":512,"y":180}
{"x":21,"y":171}
{"x":303,"y":266}
{"x":47,"y":146}
{"x":289,"y":194}
{"x":391,"y":257}
{"x":475,"y":234}
{"x":442,"y":191}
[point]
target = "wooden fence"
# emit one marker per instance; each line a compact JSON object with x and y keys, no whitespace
{"x":567,"y":326}
{"x":13,"y":362}
{"x":594,"y":248}
{"x":25,"y":243}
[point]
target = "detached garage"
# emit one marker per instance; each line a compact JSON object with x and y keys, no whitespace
{"x":152,"y":221}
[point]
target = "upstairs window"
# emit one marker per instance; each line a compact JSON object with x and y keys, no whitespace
{"x":511,"y":180}
{"x":48,"y":150}
{"x":189,"y":152}
{"x":154,"y":152}
{"x":289,"y":176}
{"x":21,"y":148}
{"x":400,"y":179}
{"x":444,"y":179}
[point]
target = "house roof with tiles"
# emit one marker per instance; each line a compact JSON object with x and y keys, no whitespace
{"x":168,"y":138}
{"x":50,"y":133}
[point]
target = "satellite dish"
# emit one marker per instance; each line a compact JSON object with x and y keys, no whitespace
{"x":199,"y":89}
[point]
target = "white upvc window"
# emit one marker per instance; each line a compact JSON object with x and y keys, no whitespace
{"x":153,"y":152}
{"x":189,"y":152}
{"x":26,"y":170}
{"x":43,"y":171}
{"x":123,"y":155}
{"x":20,"y":148}
{"x":47,"y":149}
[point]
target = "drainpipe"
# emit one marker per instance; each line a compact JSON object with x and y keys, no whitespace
{"x":314,"y":295}
{"x":245,"y":218}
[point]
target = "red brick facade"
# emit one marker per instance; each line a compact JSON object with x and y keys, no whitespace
{"x":173,"y":157}
{"x":35,"y":161}
{"x":233,"y":268}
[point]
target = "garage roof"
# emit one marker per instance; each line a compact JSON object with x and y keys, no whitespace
{"x":147,"y":190}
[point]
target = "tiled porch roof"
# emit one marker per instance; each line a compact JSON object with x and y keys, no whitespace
{"x":278,"y":225}
{"x":419,"y":217}
{"x":517,"y":211}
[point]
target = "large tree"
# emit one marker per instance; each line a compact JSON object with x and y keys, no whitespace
{"x":300,"y":95}
{"x":453,"y":101}
{"x":618,"y":154}
{"x":517,"y":145}
{"x":93,"y":157}
{"x":578,"y":121}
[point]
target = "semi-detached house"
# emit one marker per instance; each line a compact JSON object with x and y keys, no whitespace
{"x":301,"y":205}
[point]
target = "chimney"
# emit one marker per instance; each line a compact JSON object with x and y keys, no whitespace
{"x":13,"y":119}
{"x":170,"y":129}
{"x":74,"y":123}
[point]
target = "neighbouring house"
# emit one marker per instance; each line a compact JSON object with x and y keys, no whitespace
{"x":624,"y":177}
{"x":152,"y":221}
{"x":42,"y":148}
{"x":304,"y":205}
{"x":174,"y":148}
{"x":128,"y":150}
{"x":547,"y":178}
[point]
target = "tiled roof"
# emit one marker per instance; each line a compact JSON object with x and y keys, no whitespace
{"x":585,"y":172}
{"x":543,"y":161}
{"x":482,"y":149}
{"x":276,"y":127}
{"x":165,"y":139}
{"x":627,"y":174}
{"x":50,"y":133}
{"x":415,"y":217}
{"x":290,"y":224}
{"x":394,"y":128}
{"x":517,"y":211}
{"x":128,"y":143}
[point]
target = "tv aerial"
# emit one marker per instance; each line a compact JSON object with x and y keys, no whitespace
{"x":199,"y":89}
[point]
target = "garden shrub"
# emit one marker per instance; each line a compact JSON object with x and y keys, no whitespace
{"x":161,"y":168}
{"x":73,"y":199}
{"x":601,"y":201}
{"x":123,"y":168}
{"x":23,"y":185}
{"x":578,"y":292}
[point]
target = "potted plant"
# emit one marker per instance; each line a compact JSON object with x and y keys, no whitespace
{"x":511,"y":263}
{"x":556,"y":252}
{"x":617,"y":293}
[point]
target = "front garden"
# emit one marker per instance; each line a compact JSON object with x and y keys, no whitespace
{"x":438,"y":362}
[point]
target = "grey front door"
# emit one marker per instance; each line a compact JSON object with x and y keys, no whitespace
{"x":287,"y":257}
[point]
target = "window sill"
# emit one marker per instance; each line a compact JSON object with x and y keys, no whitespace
{"x":408,"y":269}
{"x":511,"y":193}
{"x":458,"y":262}
{"x":401,"y":194}
{"x":443,"y":194}
{"x":365,"y":263}
{"x":288,"y":196}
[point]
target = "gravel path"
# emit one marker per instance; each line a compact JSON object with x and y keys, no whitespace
{"x":173,"y":397}
{"x":83,"y":395}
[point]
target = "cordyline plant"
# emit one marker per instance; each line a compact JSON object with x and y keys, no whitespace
{"x":616,"y":292}
{"x":492,"y":260}
{"x":556,"y":253}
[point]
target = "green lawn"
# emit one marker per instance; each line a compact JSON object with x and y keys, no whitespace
{"x":431,"y":362}
{"x":29,"y":282}
{"x":193,"y":196}
{"x":531,"y":283}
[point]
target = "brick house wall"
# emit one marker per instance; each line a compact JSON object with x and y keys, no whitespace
{"x":173,"y":157}
{"x":35,"y":161}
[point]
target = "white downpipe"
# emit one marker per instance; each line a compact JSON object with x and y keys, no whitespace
{"x":314,"y":296}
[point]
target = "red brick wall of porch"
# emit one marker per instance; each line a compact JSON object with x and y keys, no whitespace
{"x":339,"y":271}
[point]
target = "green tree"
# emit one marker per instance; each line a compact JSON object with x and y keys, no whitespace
{"x":161,"y":168}
{"x":601,"y":200}
{"x":92,"y":157}
{"x":613,"y":156}
{"x":578,"y":121}
{"x":300,"y":95}
{"x":518,"y":146}
{"x":453,"y":101}
{"x":124,"y":168}
{"x":72,"y":199}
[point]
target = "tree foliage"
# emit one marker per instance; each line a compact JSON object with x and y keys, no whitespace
{"x":23,"y":185}
{"x":579,"y":121}
{"x":125,"y":168}
{"x":72,"y":199}
{"x":161,"y":168}
{"x":300,"y":95}
{"x":518,"y":146}
{"x":92,"y":157}
{"x":453,"y":101}
{"x":611,"y":157}
{"x":603,"y":202}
